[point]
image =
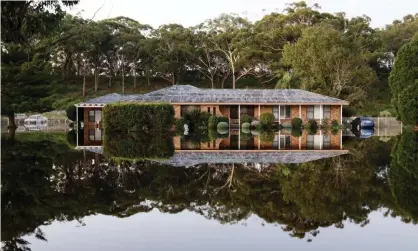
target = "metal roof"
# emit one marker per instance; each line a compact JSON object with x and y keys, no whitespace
{"x":191,"y":94}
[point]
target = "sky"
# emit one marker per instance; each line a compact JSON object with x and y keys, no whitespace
{"x":192,"y":12}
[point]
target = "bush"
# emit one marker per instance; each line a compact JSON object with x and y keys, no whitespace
{"x":267,"y":119}
{"x":133,"y":130}
{"x":246,"y":119}
{"x":179,"y":123}
{"x":296,"y":132}
{"x":267,"y":136}
{"x":196,"y":119}
{"x":71,"y":112}
{"x":72,"y":137}
{"x":222,"y":125}
{"x":214,"y":121}
{"x":311,"y":126}
{"x":335,"y":127}
{"x":297,"y":123}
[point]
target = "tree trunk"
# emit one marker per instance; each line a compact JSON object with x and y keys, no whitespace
{"x":173,"y":80}
{"x":211,"y":81}
{"x":148,"y":80}
{"x":96,"y":80}
{"x":134,"y":80}
{"x":84,"y":86}
{"x":12,"y":133}
{"x":233,"y":80}
{"x":110,"y":82}
{"x":12,"y":122}
{"x":123,"y":81}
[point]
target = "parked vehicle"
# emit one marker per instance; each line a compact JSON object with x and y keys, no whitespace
{"x":362,"y":122}
{"x":364,"y":133}
{"x":36,"y":122}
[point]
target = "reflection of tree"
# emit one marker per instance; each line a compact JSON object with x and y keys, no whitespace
{"x":44,"y":181}
{"x":403,"y":173}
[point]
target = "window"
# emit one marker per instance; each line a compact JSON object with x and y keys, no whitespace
{"x":95,"y":115}
{"x":327,"y":111}
{"x":281,"y":142}
{"x":208,"y":109}
{"x":313,"y":142}
{"x":95,"y":135}
{"x":313,"y":112}
{"x":276,"y":111}
{"x":310,"y":112}
{"x":284,"y":111}
{"x":327,"y":142}
{"x":91,"y":116}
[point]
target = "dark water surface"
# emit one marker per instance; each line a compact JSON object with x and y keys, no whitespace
{"x":57,"y":198}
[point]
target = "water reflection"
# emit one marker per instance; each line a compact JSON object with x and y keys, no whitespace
{"x":45,"y":180}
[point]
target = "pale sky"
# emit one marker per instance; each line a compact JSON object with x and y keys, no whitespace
{"x":192,"y":12}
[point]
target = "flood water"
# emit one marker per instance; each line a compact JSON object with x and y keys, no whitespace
{"x":362,"y":195}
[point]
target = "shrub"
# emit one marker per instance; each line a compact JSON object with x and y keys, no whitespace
{"x":335,"y":127}
{"x":296,"y":123}
{"x":246,"y":136}
{"x":222,"y":125}
{"x":133,"y":130}
{"x":214,"y":121}
{"x":267,"y":119}
{"x":267,"y":136}
{"x":72,"y":137}
{"x":71,"y":112}
{"x":179,"y":123}
{"x":311,"y":126}
{"x":246,"y":119}
{"x":196,"y":119}
{"x":296,"y":132}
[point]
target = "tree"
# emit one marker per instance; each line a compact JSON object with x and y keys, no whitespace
{"x":25,"y":56}
{"x":172,"y":51}
{"x":403,"y":81}
{"x":329,"y":63}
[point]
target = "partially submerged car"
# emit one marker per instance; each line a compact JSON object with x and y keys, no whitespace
{"x":362,"y":127}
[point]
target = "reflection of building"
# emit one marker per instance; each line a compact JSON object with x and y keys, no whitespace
{"x":278,"y":141}
{"x":285,"y":104}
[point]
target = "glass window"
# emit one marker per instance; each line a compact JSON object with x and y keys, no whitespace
{"x":327,"y":111}
{"x":91,"y":116}
{"x":327,"y":142}
{"x":317,"y":112}
{"x":310,"y":141}
{"x":91,"y":134}
{"x":276,"y":142}
{"x":310,"y":112}
{"x":284,"y":111}
{"x":98,"y":115}
{"x":276,"y":111}
{"x":208,"y":109}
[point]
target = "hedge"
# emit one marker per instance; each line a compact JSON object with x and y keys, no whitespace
{"x":133,"y":130}
{"x":245,"y":119}
{"x":71,"y":112}
{"x":311,"y":126}
{"x":296,"y":123}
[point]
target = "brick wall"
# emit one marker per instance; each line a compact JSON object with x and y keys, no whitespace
{"x":210,"y":108}
{"x":177,"y":142}
{"x":91,"y":126}
{"x":336,"y":113}
{"x":177,"y":111}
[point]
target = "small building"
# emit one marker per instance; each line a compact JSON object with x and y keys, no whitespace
{"x":284,"y":104}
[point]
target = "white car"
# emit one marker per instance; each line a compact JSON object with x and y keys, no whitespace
{"x":36,"y":122}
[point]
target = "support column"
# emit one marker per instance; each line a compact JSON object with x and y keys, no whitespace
{"x":279,"y":114}
{"x":259,"y":112}
{"x":321,"y":114}
{"x":76,"y":115}
{"x":279,"y":140}
{"x":341,"y":139}
{"x":321,"y":139}
{"x":259,"y":142}
{"x":300,"y":111}
{"x":341,"y":114}
{"x":239,"y":127}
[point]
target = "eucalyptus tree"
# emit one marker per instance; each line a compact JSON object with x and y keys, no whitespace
{"x":328,"y":62}
{"x":232,"y":35}
{"x":172,"y":53}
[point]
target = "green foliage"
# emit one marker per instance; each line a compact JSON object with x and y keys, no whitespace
{"x":311,"y":126}
{"x":267,"y":119}
{"x":403,"y":81}
{"x":71,"y":112}
{"x":403,"y":173}
{"x":214,"y":121}
{"x":296,"y":132}
{"x":297,"y":123}
{"x":222,"y":125}
{"x":245,"y":118}
{"x":196,"y":119}
{"x":267,"y":136}
{"x":133,"y":130}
